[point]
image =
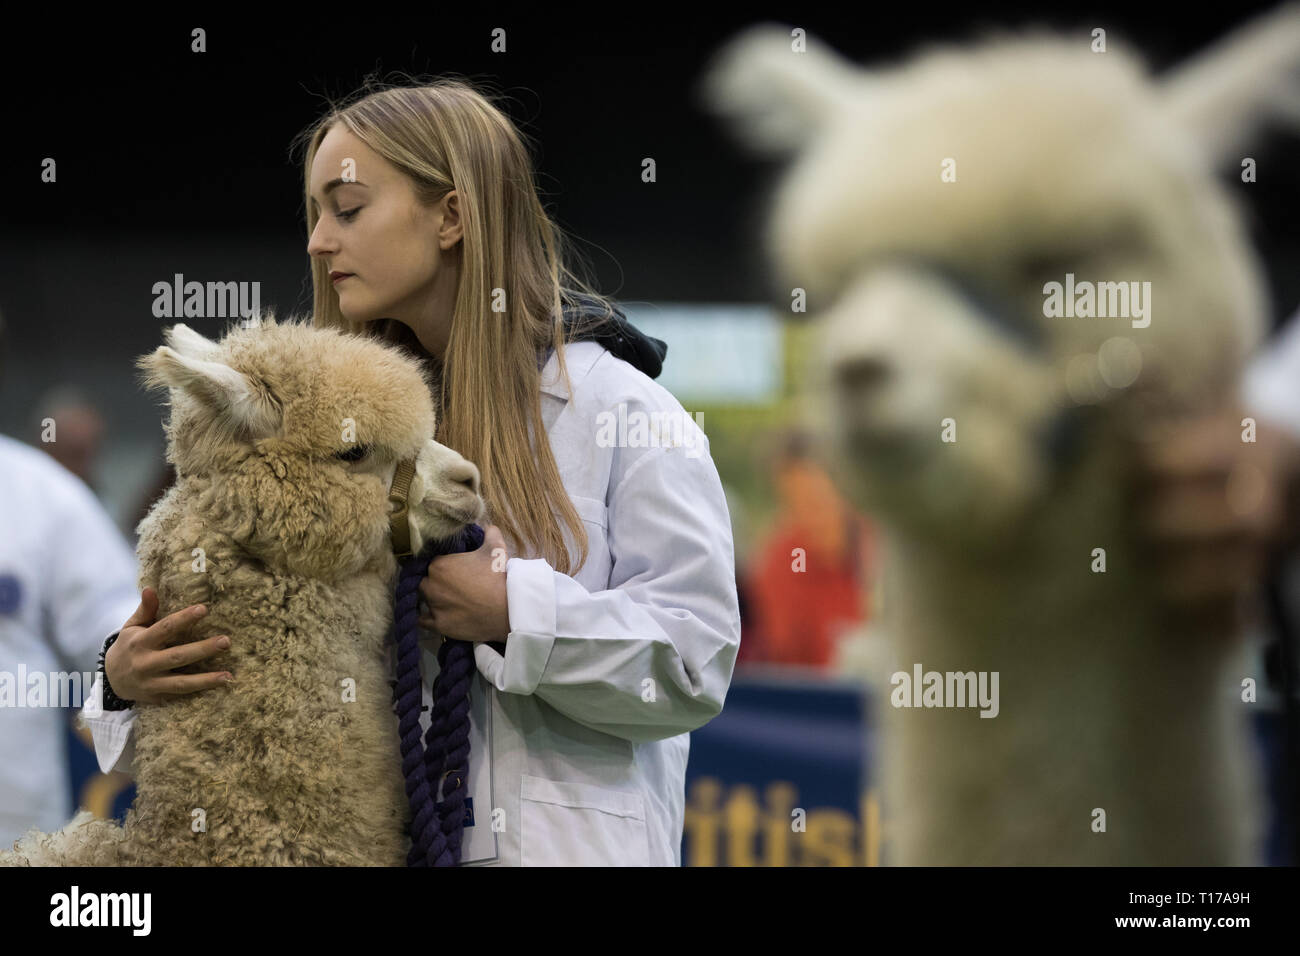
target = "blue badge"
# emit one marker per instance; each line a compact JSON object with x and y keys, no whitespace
{"x":11,"y":593}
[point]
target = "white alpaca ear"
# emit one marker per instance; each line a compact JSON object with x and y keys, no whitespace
{"x":189,"y":343}
{"x":1223,"y":95}
{"x":775,"y":98}
{"x":221,"y":388}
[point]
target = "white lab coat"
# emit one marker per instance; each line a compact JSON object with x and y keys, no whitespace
{"x":67,"y":578}
{"x":580,"y":732}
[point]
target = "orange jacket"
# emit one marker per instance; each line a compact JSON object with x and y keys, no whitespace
{"x":798,"y":607}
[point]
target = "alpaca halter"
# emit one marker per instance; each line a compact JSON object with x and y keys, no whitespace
{"x":398,"y":520}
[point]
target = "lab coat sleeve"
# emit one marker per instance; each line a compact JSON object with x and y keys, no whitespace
{"x":652,"y":656}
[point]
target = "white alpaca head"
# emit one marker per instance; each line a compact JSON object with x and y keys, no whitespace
{"x":296,"y":433}
{"x":930,"y":204}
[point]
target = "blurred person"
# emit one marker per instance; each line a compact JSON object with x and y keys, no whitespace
{"x":809,"y":578}
{"x":163,"y":479}
{"x":67,"y":577}
{"x":1215,"y":509}
{"x":1219,"y":514}
{"x":78,"y":429}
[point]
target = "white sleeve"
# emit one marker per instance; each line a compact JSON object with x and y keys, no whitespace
{"x":91,"y":573}
{"x":110,"y":730}
{"x":1271,"y":386}
{"x":652,"y":657}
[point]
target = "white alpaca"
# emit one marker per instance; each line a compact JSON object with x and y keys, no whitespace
{"x":929,"y":209}
{"x":285,"y":439}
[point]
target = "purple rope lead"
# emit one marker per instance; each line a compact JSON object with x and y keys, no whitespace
{"x":437,"y":826}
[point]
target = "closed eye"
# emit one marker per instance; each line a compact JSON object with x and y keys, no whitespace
{"x":1050,"y":266}
{"x":356,"y":453}
{"x":993,"y":305}
{"x":1122,"y":240}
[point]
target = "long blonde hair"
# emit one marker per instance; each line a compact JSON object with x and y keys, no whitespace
{"x":448,"y":135}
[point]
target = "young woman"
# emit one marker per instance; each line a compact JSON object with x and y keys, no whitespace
{"x":611,"y":627}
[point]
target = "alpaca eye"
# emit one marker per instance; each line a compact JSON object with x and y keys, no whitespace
{"x":356,"y":453}
{"x":1050,"y":265}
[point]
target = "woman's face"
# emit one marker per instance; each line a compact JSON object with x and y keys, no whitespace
{"x":393,"y":250}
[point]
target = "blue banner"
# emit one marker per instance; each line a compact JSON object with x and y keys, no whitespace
{"x":779,"y":778}
{"x":782,"y":777}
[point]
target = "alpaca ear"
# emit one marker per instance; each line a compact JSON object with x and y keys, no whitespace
{"x":264,"y":319}
{"x":189,"y":343}
{"x":775,"y":95}
{"x":227,"y":392}
{"x":1225,"y":94}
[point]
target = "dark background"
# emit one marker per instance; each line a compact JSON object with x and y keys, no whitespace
{"x":171,"y":161}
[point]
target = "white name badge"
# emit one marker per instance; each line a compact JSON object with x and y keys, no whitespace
{"x":479,"y":843}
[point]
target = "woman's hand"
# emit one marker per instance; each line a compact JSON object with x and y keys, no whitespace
{"x":465,"y":594}
{"x":1215,"y":509}
{"x":139,"y":664}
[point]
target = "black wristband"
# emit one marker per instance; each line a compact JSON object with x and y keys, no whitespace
{"x":111,"y":701}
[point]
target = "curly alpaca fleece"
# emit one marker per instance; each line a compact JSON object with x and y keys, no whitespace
{"x":297,"y":762}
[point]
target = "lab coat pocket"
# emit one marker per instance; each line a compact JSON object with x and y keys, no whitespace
{"x":564,"y":823}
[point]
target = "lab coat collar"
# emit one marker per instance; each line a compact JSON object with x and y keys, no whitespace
{"x":579,"y":357}
{"x":609,"y":333}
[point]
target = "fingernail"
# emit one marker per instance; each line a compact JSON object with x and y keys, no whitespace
{"x":229,"y":679}
{"x":223,"y":642}
{"x":201,"y":610}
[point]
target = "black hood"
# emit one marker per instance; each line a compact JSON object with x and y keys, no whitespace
{"x":584,"y":321}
